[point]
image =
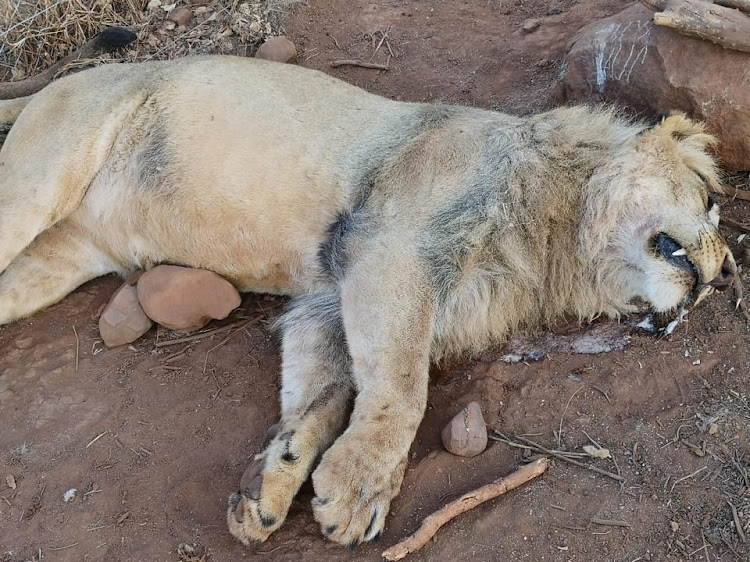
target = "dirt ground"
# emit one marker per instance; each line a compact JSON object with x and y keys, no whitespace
{"x":155,"y":438}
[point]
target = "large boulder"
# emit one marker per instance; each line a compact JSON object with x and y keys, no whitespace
{"x":628,"y":60}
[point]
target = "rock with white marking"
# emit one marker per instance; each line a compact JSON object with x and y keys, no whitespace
{"x":466,"y":434}
{"x":185,"y":299}
{"x":649,"y":70}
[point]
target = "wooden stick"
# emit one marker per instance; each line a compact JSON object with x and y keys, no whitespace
{"x":109,"y":40}
{"x":734,"y":224}
{"x":743,"y":194}
{"x":363,"y":64}
{"x":727,"y":27}
{"x":742,"y":5}
{"x":468,"y":501}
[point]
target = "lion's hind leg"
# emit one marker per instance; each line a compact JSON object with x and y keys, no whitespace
{"x":54,"y":264}
{"x":54,"y":151}
{"x":315,"y":400}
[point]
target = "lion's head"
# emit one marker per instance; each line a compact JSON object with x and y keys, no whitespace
{"x":662,"y":239}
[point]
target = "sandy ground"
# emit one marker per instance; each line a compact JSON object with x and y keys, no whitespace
{"x":154,"y":438}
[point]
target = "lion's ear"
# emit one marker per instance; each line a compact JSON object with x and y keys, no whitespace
{"x":692,"y":142}
{"x":679,"y":127}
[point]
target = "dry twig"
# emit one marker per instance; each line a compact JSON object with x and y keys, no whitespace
{"x":737,"y":522}
{"x":559,"y":432}
{"x":610,"y":522}
{"x":557,"y":455}
{"x":207,"y":333}
{"x":468,"y":501}
{"x":735,"y":224}
{"x":743,"y":194}
{"x":354,"y":62}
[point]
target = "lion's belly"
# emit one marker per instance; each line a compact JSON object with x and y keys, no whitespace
{"x":259,"y":239}
{"x":246,"y":185}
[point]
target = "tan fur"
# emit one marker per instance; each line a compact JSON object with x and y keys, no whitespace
{"x":405,"y":232}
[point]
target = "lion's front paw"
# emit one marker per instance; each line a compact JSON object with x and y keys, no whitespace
{"x":353,"y":490}
{"x":252,"y":515}
{"x":267,"y":488}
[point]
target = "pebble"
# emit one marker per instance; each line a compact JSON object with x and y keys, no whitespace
{"x":278,"y":49}
{"x":530,"y":25}
{"x":466,"y":434}
{"x":181,"y":16}
{"x":123,"y":320}
{"x":185,"y":299}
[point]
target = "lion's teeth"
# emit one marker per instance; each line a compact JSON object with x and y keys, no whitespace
{"x":680,"y":252}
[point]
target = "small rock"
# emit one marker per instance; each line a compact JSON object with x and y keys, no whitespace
{"x":466,"y":434}
{"x":279,"y":49}
{"x":24,"y":343}
{"x":530,"y":25}
{"x":185,"y":299}
{"x":192,"y":553}
{"x":10,"y":480}
{"x":675,"y":526}
{"x":70,"y":495}
{"x":596,"y":452}
{"x":713,"y":429}
{"x":123,"y":320}
{"x":181,"y":16}
{"x":153,"y":4}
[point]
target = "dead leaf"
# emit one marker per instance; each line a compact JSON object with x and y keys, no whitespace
{"x":596,"y":452}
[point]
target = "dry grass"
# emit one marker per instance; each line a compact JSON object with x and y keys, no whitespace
{"x":36,"y":33}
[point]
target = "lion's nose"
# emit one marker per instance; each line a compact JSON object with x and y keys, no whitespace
{"x":725,"y":278}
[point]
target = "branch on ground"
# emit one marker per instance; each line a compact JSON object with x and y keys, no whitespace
{"x":468,"y":501}
{"x":724,"y":26}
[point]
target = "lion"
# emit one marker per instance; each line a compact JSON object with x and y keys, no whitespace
{"x":403,"y":232}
